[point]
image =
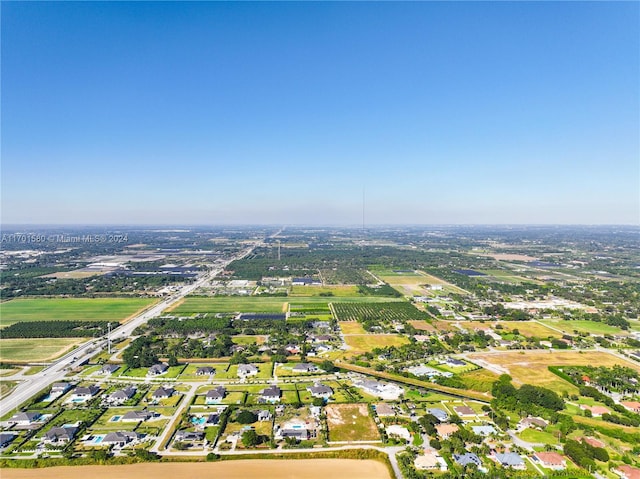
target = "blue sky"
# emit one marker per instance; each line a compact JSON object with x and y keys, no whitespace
{"x":209,"y":113}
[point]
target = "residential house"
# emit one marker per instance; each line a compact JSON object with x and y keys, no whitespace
{"x":398,"y":431}
{"x":427,"y":371}
{"x":426,"y":462}
{"x":440,"y":414}
{"x":464,"y":411}
{"x":596,"y":411}
{"x":60,"y":435}
{"x":509,"y":459}
{"x":6,"y":438}
{"x":212,"y":419}
{"x":627,"y":472}
{"x":294,"y":428}
{"x":138,"y":416}
{"x":205,"y":371}
{"x":467,"y":459}
{"x":163,"y":393}
{"x":388,"y":391}
{"x":592,"y":441}
{"x":305,"y":368}
{"x":188,"y":436}
{"x":384,"y":410}
{"x":246,"y":370}
{"x":264,"y":415}
{"x":82,"y":393}
{"x":121,"y":395}
{"x":271,"y":394}
{"x":292,"y":349}
{"x":60,"y":388}
{"x":535,"y":422}
{"x":455,"y":362}
{"x":319,"y":390}
{"x":157,"y":369}
{"x":119,"y":438}
{"x":25,"y":418}
{"x":446,"y":430}
{"x":633,"y":406}
{"x":551,"y":460}
{"x":483,"y":430}
{"x":109,"y":369}
{"x":215,"y":395}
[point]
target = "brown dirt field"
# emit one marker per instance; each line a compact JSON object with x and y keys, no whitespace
{"x":241,"y":469}
{"x":422,"y":325}
{"x":73,"y":274}
{"x":444,"y":326}
{"x":531,"y":367}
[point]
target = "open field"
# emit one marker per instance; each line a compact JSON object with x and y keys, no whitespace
{"x":231,"y":304}
{"x":362,"y":343}
{"x":77,"y":274}
{"x":422,"y":326}
{"x":444,"y":326}
{"x":114,"y":309}
{"x":350,"y":422}
{"x":35,"y":349}
{"x":238,"y":469}
{"x":589,"y":327}
{"x":525,"y":328}
{"x":531,"y":366}
{"x":510,"y":257}
{"x":324,"y":290}
{"x":479,"y":380}
{"x":351,"y":327}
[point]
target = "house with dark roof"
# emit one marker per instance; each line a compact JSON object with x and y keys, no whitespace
{"x":212,"y":419}
{"x":319,"y":390}
{"x":163,"y":393}
{"x":119,"y":438}
{"x":84,"y":393}
{"x":463,"y":411}
{"x":6,"y":438}
{"x":215,"y":395}
{"x":59,"y":435}
{"x":121,"y":395}
{"x":305,"y":368}
{"x":188,"y":436}
{"x":205,"y":371}
{"x":157,"y":369}
{"x":294,"y":428}
{"x":536,"y":422}
{"x":138,"y":416}
{"x":271,"y":394}
{"x":25,"y":418}
{"x":109,"y":369}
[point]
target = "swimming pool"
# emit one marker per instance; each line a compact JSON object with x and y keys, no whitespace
{"x":115,"y":418}
{"x":198,"y":420}
{"x":97,"y":439}
{"x":78,"y":400}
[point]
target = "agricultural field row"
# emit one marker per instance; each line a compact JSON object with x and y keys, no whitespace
{"x":386,"y":311}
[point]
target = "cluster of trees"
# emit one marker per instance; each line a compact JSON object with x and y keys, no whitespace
{"x":56,"y":329}
{"x":616,"y":378}
{"x":583,"y":454}
{"x":528,"y":396}
{"x":140,"y":353}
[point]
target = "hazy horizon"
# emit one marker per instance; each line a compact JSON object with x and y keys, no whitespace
{"x":173,"y":113}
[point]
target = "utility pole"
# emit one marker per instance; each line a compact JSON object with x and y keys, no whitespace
{"x":109,"y":338}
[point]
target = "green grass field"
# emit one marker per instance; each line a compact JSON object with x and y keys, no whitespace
{"x":35,"y":349}
{"x":93,"y":309}
{"x":231,"y":304}
{"x":589,"y":327}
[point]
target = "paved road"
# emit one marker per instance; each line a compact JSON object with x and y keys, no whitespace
{"x":57,"y":370}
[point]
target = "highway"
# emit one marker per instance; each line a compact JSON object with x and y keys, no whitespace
{"x":58,"y":370}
